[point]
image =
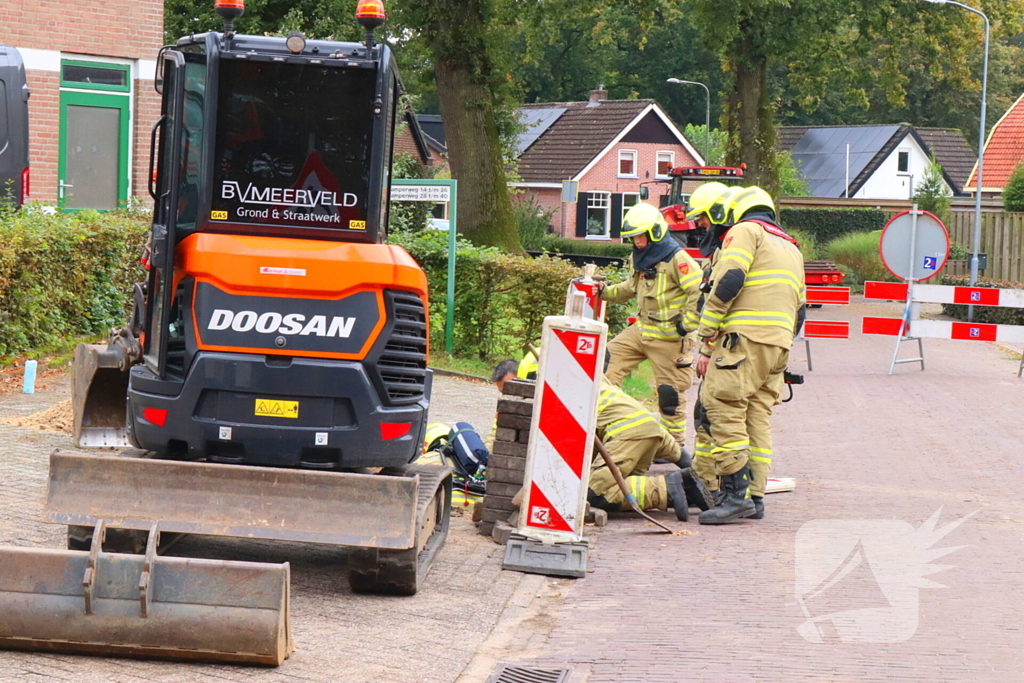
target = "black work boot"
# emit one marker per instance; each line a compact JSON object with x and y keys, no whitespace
{"x":685,"y":459}
{"x":736,"y":504}
{"x":677,"y":495}
{"x":718,"y":495}
{"x":697,"y":493}
{"x":758,"y":507}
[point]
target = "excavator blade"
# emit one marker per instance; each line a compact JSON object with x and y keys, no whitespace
{"x":143,"y":605}
{"x":338,"y":508}
{"x":99,"y":397}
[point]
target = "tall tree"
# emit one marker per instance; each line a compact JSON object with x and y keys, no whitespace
{"x":466,"y":45}
{"x":459,"y":42}
{"x":871,"y":54}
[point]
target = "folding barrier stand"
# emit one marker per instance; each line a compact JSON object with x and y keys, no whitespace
{"x":824,"y":329}
{"x":549,"y":539}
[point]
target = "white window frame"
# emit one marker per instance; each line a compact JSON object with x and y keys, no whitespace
{"x":636,"y":160}
{"x":898,"y":153}
{"x":627,"y":208}
{"x":600,"y":200}
{"x":657,"y":161}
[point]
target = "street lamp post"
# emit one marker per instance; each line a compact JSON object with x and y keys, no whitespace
{"x":707,"y":115}
{"x":981,"y":146}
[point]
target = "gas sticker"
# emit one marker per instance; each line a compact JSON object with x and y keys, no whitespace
{"x":219,"y":215}
{"x":269,"y":408}
{"x":357,"y":225}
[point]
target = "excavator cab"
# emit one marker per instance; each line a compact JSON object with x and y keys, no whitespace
{"x":273,"y":376}
{"x":276,"y":328}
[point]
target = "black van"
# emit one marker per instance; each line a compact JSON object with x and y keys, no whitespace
{"x":14,"y":174}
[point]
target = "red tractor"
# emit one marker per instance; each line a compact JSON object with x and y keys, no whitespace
{"x":688,"y":234}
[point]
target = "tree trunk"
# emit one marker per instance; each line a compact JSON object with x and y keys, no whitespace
{"x":750,"y":118}
{"x":465,"y":88}
{"x":474,"y":153}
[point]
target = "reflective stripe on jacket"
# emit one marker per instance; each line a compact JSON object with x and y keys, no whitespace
{"x":662,"y":301}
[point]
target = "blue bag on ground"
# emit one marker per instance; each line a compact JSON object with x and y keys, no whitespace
{"x":467,"y":448}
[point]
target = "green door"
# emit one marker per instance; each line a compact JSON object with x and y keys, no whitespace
{"x":93,"y":153}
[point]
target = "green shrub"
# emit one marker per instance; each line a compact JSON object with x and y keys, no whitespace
{"x":859,"y":252}
{"x":565,"y":245}
{"x":64,"y":275}
{"x":958,"y":252}
{"x":827,"y":225}
{"x":533,"y":222}
{"x":984,"y":314}
{"x":808,"y":244}
{"x":1013,"y":193}
{"x":501,"y":300}
{"x":931,"y":195}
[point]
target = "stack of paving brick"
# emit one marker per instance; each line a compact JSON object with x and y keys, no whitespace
{"x":507,"y":463}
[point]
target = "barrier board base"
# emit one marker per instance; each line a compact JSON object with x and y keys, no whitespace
{"x":527,"y":555}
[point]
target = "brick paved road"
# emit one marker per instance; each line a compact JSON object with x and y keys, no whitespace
{"x":862,"y":445}
{"x":340,"y":637}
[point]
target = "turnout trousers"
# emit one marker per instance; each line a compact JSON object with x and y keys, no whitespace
{"x":634,"y":458}
{"x":743,"y":384}
{"x":629,"y":348}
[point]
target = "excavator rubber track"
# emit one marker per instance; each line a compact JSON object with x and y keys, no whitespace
{"x":401,"y":572}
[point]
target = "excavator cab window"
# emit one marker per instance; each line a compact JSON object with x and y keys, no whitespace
{"x":294,"y":145}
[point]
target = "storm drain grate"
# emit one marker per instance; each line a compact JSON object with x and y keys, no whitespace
{"x":529,"y":674}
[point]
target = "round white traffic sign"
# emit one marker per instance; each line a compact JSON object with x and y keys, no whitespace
{"x":930,"y":246}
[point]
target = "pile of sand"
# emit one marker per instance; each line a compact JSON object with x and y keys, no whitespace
{"x":57,"y":418}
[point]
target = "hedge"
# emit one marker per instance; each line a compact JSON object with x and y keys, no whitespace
{"x":984,"y":314}
{"x":65,"y":275}
{"x":501,"y":300}
{"x":825,"y":225}
{"x":564,"y":245}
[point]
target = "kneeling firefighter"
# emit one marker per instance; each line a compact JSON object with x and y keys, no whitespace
{"x":634,"y":439}
{"x":664,"y":281}
{"x":753,"y":309}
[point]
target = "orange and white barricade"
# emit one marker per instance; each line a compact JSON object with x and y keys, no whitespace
{"x":549,"y":538}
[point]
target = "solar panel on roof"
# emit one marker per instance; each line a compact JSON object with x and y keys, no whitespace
{"x":821,"y":155}
{"x":537,"y":121}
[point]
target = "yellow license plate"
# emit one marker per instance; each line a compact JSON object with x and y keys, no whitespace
{"x":266,"y":407}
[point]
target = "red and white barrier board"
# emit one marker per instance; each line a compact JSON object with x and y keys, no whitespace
{"x":593,"y":308}
{"x":941,"y":329}
{"x":832,"y":296}
{"x":562,"y":433}
{"x":826,"y":329}
{"x":946,"y":294}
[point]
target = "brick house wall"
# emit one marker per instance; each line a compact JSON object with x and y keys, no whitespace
{"x":46,"y":31}
{"x":604,"y":177}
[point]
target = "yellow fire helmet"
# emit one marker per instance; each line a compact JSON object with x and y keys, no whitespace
{"x":747,"y":199}
{"x":720,"y":211}
{"x":643,"y":218}
{"x":435,"y":437}
{"x":527,"y":367}
{"x":703,"y":197}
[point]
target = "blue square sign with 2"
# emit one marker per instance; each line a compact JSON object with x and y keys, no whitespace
{"x":931,"y":262}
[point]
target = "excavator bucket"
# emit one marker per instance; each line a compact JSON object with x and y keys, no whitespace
{"x":99,"y":397}
{"x":337,"y":508}
{"x":143,"y":605}
{"x":396,"y":521}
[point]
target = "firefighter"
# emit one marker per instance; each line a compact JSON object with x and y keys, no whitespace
{"x":752,"y":310}
{"x":634,"y":439}
{"x":701,"y":201}
{"x":664,"y":280}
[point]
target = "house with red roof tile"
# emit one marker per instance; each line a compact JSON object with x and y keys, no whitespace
{"x":1004,"y":151}
{"x":610,"y":148}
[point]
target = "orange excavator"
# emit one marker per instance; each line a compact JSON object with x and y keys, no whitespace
{"x":272,"y":381}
